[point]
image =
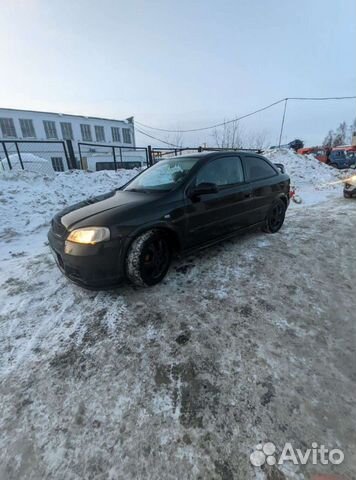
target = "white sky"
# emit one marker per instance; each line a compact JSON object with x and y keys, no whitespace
{"x":182,"y":64}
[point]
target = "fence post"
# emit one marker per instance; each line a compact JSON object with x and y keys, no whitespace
{"x":80,"y":157}
{"x":6,"y":155}
{"x":121,"y":163}
{"x":19,"y":155}
{"x":71,"y":161}
{"x":200,"y":149}
{"x":114,"y":155}
{"x":150,"y":160}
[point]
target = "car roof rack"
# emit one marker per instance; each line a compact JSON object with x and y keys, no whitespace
{"x":230,"y":149}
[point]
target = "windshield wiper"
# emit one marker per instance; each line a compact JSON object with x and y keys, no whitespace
{"x":139,"y":190}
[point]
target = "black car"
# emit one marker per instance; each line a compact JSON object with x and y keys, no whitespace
{"x":178,"y":205}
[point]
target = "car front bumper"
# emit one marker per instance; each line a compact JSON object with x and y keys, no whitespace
{"x":90,"y":266}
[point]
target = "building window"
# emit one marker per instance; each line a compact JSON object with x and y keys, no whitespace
{"x":86,"y":132}
{"x":57,"y":164}
{"x":50,"y":129}
{"x":99,"y":133}
{"x":126,"y":135}
{"x":67,"y":131}
{"x":7,"y":127}
{"x":115,"y":131}
{"x":27,"y":128}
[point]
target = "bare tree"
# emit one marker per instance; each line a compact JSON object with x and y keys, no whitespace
{"x":176,"y":139}
{"x":229,"y":135}
{"x":257,"y":140}
{"x":352,"y":132}
{"x":328,"y":140}
{"x":342,"y":135}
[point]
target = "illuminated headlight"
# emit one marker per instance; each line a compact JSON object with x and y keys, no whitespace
{"x":350,"y":181}
{"x":89,"y":235}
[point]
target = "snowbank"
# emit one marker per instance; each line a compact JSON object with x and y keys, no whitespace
{"x":314,"y":181}
{"x":31,"y":163}
{"x":28,"y":200}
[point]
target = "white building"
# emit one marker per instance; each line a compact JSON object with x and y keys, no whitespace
{"x":28,"y":125}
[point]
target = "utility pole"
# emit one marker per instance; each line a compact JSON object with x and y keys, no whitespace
{"x":284,"y":116}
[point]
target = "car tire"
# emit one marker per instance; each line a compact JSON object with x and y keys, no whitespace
{"x":148,"y":259}
{"x":275,"y":217}
{"x":347,"y":195}
{"x":334,"y":165}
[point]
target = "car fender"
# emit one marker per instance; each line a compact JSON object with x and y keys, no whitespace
{"x":161,"y":225}
{"x":284,"y":197}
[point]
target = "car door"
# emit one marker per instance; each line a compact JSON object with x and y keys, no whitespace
{"x":264,"y":182}
{"x":217,"y":214}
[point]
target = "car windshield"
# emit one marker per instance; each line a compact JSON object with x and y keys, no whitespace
{"x":164,"y":176}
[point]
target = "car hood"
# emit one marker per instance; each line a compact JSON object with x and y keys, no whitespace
{"x":100,"y":206}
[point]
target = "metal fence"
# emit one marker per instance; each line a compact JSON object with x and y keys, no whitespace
{"x":34,"y":155}
{"x":58,"y":155}
{"x":94,"y":157}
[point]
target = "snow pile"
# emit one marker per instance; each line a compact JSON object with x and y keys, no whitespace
{"x":32,"y":163}
{"x":314,"y":181}
{"x":29,"y":200}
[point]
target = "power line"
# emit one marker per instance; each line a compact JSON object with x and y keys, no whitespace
{"x":212,"y":126}
{"x":320,"y":98}
{"x":155,"y":138}
{"x":243,"y":116}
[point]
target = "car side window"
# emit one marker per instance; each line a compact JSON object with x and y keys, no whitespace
{"x":257,"y":169}
{"x":222,"y":171}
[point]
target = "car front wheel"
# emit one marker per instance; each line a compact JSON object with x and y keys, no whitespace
{"x":148,"y":259}
{"x":275,"y":217}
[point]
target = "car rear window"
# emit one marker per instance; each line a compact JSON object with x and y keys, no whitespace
{"x":257,"y":168}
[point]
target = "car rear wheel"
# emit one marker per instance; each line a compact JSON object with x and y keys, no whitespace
{"x":334,"y":165}
{"x":275,"y":217}
{"x":148,"y":259}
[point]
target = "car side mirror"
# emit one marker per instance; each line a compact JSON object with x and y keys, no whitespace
{"x":203,"y":189}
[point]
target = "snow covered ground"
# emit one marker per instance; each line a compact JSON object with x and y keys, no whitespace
{"x":249,"y":341}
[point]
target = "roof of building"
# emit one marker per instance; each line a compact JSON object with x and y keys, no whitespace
{"x":65,"y":114}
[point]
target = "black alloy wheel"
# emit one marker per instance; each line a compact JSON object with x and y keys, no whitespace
{"x":275,"y":218}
